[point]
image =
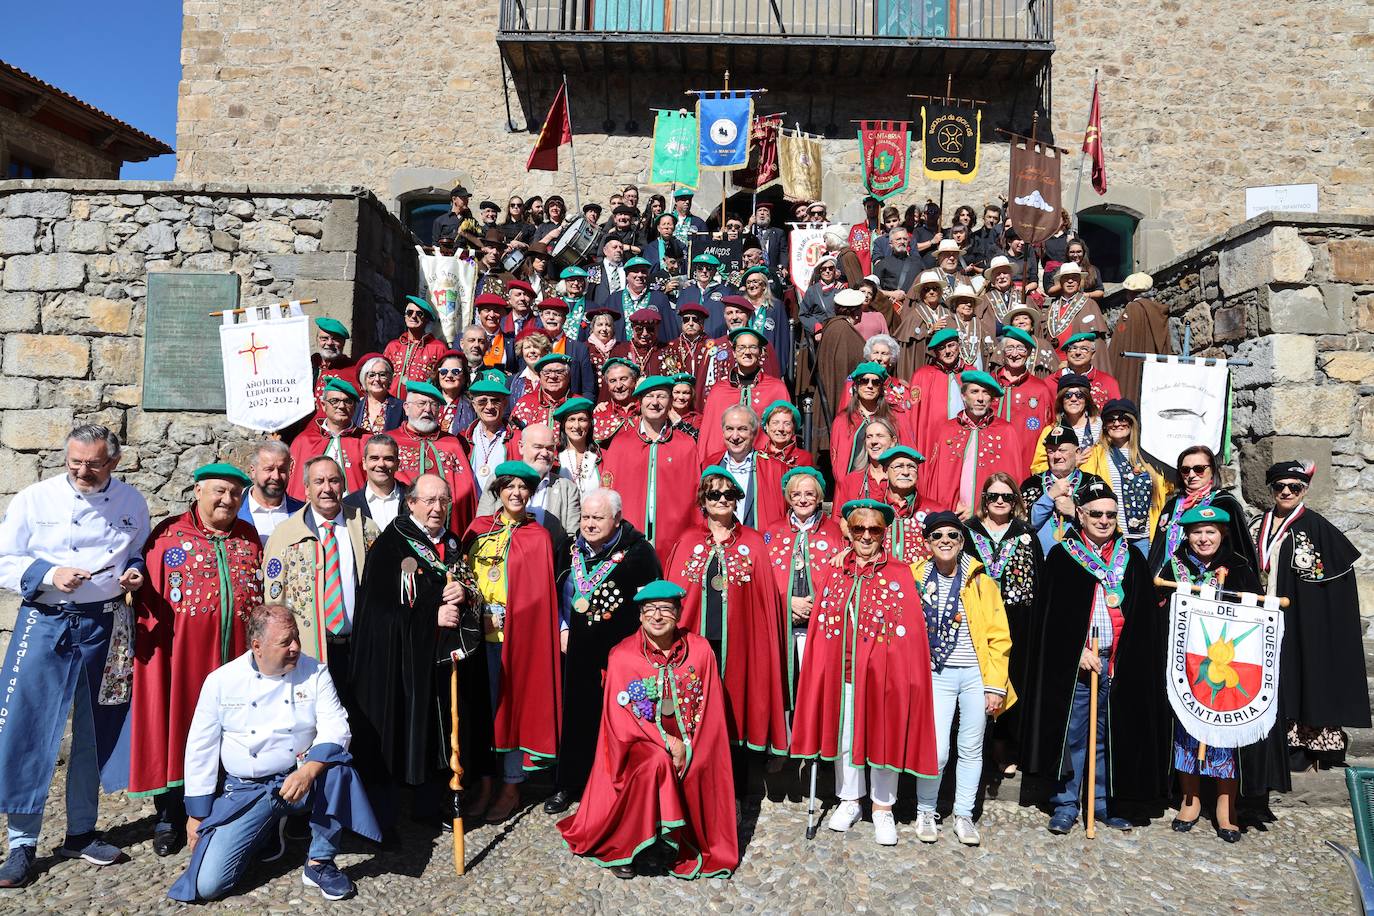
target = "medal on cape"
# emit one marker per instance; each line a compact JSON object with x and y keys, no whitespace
{"x":581,"y":605}
{"x":409,"y":566}
{"x":718,"y":582}
{"x":494,"y":574}
{"x":585,"y":583}
{"x":484,"y":470}
{"x":1109,"y":575}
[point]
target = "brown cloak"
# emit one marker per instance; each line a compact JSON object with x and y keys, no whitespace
{"x":1142,"y":328}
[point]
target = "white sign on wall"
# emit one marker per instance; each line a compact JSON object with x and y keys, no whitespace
{"x":1281,"y":198}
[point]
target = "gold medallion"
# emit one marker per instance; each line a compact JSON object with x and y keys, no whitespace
{"x":494,"y":574}
{"x":581,"y":605}
{"x":1113,"y":599}
{"x":718,"y":582}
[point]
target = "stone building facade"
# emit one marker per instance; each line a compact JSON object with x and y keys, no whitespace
{"x":402,"y":95}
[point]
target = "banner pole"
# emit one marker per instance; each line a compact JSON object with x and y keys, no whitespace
{"x":722,"y":174}
{"x":572,"y":147}
{"x":1082,"y":155}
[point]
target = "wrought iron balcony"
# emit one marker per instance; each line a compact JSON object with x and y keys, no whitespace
{"x":996,"y":38}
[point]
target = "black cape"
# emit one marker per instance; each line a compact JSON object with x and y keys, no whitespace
{"x":1322,"y":672}
{"x":1238,"y":538}
{"x":1139,"y":733}
{"x":401,"y":666}
{"x":591,"y":636}
{"x":1264,"y":764}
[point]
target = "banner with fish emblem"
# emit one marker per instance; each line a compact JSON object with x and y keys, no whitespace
{"x":675,"y":150}
{"x":724,"y":119}
{"x":799,"y":161}
{"x":883,"y":146}
{"x":267,"y":378}
{"x":1223,"y":666}
{"x":1034,"y":196}
{"x":1183,"y":403}
{"x":762,"y":170}
{"x":952,"y":142}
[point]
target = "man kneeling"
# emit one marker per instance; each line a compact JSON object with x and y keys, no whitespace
{"x":272,"y":718}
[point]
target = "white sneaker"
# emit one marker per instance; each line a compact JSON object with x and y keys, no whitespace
{"x":845,"y":816}
{"x":965,"y":832}
{"x":884,"y":828}
{"x":926,"y":829}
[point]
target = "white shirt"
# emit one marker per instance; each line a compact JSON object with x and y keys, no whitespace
{"x":266,"y":518}
{"x":487,"y":452}
{"x":348,"y":570}
{"x":383,"y":508}
{"x":540,"y":498}
{"x":588,"y":476}
{"x":258,"y":725}
{"x":743,"y":472}
{"x":52,"y":522}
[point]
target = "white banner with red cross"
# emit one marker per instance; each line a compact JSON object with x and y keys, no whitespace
{"x":267,"y":377}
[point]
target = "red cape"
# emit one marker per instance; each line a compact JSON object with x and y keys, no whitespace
{"x":718,"y":361}
{"x":930,"y":402}
{"x":792,"y":455}
{"x":894,"y":720}
{"x":858,"y":485}
{"x":998,"y":450}
{"x":658,"y":361}
{"x":312,"y":441}
{"x":634,"y":797}
{"x":178,"y":638}
{"x":690,"y":355}
{"x":754,"y":629}
{"x":413,"y":360}
{"x":823,"y":542}
{"x":609,"y":418}
{"x":531,"y":705}
{"x":1028,"y":405}
{"x":625,"y":466}
{"x":845,"y":428}
{"x":448,"y":450}
{"x":1103,"y":387}
{"x":765,"y":390}
{"x":535,"y":407}
{"x":345,"y":368}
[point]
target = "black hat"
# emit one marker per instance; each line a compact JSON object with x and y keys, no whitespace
{"x":1121,"y":405}
{"x":1290,"y":470}
{"x":489,"y":205}
{"x":943,"y":519}
{"x":555,"y":197}
{"x":1090,"y":488}
{"x":1074,"y":380}
{"x":1010,"y":235}
{"x":623,"y":210}
{"x":459,"y":191}
{"x":587,"y":208}
{"x":1060,"y":435}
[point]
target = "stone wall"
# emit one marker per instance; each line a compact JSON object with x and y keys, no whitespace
{"x":24,"y":138}
{"x":1294,"y":293}
{"x":74,"y":260}
{"x":369,"y":91}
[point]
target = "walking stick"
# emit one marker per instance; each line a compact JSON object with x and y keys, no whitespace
{"x":811,"y":822}
{"x":455,"y":763}
{"x":1092,"y":750}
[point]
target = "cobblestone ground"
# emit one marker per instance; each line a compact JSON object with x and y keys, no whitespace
{"x":523,"y":866}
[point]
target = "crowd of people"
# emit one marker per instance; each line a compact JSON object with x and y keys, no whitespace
{"x":654,"y":527}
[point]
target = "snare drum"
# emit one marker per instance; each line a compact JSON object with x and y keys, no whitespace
{"x":513,"y":259}
{"x":575,"y":244}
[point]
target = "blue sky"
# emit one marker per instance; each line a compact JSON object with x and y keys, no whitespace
{"x":123,"y":57}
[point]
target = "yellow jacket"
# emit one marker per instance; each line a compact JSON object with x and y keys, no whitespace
{"x":987,"y":626}
{"x":1097,"y":462}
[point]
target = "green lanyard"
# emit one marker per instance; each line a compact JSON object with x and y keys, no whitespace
{"x":226,"y":599}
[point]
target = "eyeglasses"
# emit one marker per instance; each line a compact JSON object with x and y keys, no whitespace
{"x":87,"y":465}
{"x":337,"y":402}
{"x":695,"y":319}
{"x":720,"y":496}
{"x":938,"y":536}
{"x":1118,"y":418}
{"x":830,"y":267}
{"x":748,"y":348}
{"x":1099,"y":513}
{"x":382,"y":374}
{"x":451,"y":373}
{"x":1281,"y":486}
{"x":663,"y":611}
{"x":1189,"y":470}
{"x":872,"y":531}
{"x":432,"y":500}
{"x":736,"y":227}
{"x":998,"y":497}
{"x":816,"y":212}
{"x":415,"y":313}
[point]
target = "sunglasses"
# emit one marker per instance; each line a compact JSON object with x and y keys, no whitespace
{"x":695,"y":319}
{"x":869,"y":380}
{"x":415,"y":313}
{"x":1189,"y":470}
{"x":998,"y":497}
{"x":872,"y":531}
{"x":1284,"y":485}
{"x":1118,"y":418}
{"x":1099,"y":513}
{"x":1072,"y":395}
{"x":938,"y":536}
{"x":450,"y":373}
{"x":721,"y":496}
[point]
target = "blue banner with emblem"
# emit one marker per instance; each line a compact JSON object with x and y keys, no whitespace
{"x":724,"y":119}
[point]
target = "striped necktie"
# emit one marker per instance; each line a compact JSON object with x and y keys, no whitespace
{"x":332,"y":607}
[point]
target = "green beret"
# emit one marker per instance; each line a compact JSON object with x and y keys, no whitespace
{"x":654,"y":383}
{"x":882,"y":508}
{"x":1205,"y":515}
{"x":804,"y":470}
{"x":573,"y":273}
{"x":660,"y":590}
{"x":424,"y":304}
{"x":332,"y":326}
{"x":780,"y":404}
{"x":572,"y":406}
{"x":1077,"y":338}
{"x":942,"y":336}
{"x":492,"y":382}
{"x":1018,"y":335}
{"x":756,"y":269}
{"x":333,"y":383}
{"x":709,"y":260}
{"x":637,"y":262}
{"x":221,"y":471}
{"x":716,"y":470}
{"x":982,"y":379}
{"x":737,"y":333}
{"x":426,"y":389}
{"x":620,"y":361}
{"x":549,"y":359}
{"x":870,"y":368}
{"x":900,"y":451}
{"x":684,"y":378}
{"x":520,"y":470}
{"x":683,"y":192}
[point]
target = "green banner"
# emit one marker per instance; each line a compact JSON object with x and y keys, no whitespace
{"x":675,"y":149}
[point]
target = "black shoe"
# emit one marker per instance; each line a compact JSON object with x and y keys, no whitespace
{"x":167,"y":842}
{"x":1230,"y":836}
{"x":1182,"y":826}
{"x":623,"y":872}
{"x":559,"y":802}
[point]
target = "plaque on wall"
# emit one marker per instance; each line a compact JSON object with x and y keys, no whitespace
{"x":182,"y":366}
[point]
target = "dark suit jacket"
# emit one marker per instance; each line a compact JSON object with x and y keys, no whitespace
{"x":358,"y":500}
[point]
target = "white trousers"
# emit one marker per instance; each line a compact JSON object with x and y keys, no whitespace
{"x":849,"y":779}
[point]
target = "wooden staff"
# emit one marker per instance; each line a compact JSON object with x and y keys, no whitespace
{"x":1192,"y":589}
{"x":455,"y":764}
{"x":1092,"y":749}
{"x":251,"y":307}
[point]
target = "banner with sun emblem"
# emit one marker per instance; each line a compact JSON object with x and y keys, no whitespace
{"x":267,"y":377}
{"x":724,"y":119}
{"x":883,"y":145}
{"x":952,"y":141}
{"x":1223,"y":667}
{"x":675,"y":149}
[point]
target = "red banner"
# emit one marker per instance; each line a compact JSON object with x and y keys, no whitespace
{"x":763,"y":169}
{"x":1092,"y":145}
{"x":861,"y":243}
{"x":556,"y":131}
{"x":884,"y":146}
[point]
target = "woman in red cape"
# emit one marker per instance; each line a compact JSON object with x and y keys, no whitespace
{"x":662,"y":757}
{"x":935,"y":387}
{"x":781,"y":420}
{"x":864,"y":692}
{"x":512,"y":557}
{"x":870,"y":481}
{"x":847,"y":432}
{"x":732,"y":602}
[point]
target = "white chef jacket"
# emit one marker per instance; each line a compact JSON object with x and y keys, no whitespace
{"x":258,"y":725}
{"x":51,"y":522}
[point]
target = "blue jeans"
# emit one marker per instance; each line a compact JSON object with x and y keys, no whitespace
{"x":1067,"y":797}
{"x":83,"y":777}
{"x":961,"y":687}
{"x":512,"y":762}
{"x":231,"y":846}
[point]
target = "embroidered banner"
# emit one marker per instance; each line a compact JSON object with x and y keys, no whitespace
{"x":952,"y":143}
{"x":450,"y":284}
{"x":883,"y":146}
{"x":762,"y":170}
{"x":267,"y":379}
{"x":799,"y":162}
{"x":675,"y":149}
{"x":1183,"y":404}
{"x":724,"y":120}
{"x":807,"y":247}
{"x":1035,"y":190}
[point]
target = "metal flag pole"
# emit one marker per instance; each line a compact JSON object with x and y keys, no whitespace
{"x":572,"y":147}
{"x":722,"y":174}
{"x":1082,"y":156}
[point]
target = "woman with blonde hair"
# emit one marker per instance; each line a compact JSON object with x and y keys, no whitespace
{"x":1140,"y":488}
